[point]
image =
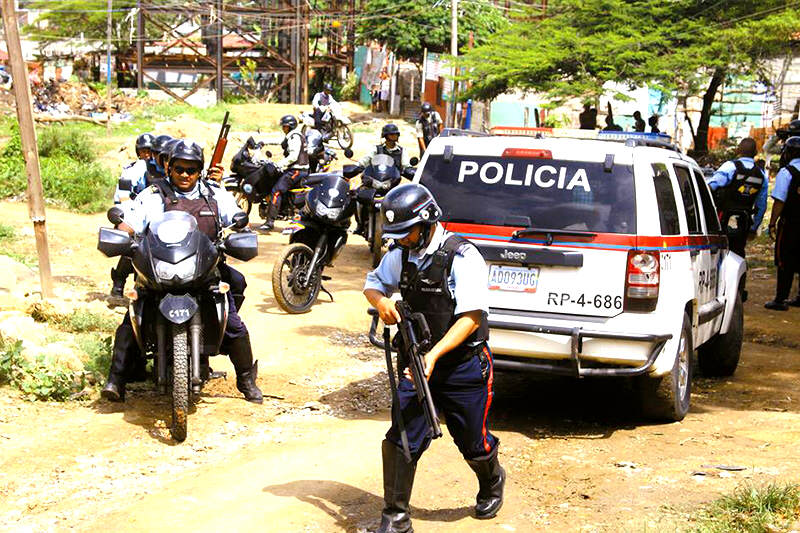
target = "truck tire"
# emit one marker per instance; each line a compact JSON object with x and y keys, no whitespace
{"x":180,"y":381}
{"x":719,"y":357}
{"x":666,"y":398}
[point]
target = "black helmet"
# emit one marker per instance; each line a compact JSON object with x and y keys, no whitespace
{"x":791,"y":150}
{"x":159,"y":143}
{"x":406,"y":206}
{"x":327,"y":87}
{"x":426,"y":108}
{"x":794,"y":127}
{"x":166,"y":152}
{"x":390,"y":129}
{"x":187,"y":150}
{"x":145,"y":140}
{"x":289,"y":120}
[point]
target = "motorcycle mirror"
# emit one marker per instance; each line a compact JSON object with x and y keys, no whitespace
{"x":268,"y":153}
{"x":414,"y":161}
{"x":409,"y":172}
{"x":240,"y":220}
{"x":115,"y":215}
{"x":348,"y":153}
{"x":349,"y":171}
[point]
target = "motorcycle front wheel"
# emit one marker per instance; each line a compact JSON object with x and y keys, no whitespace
{"x":376,"y":246}
{"x":180,"y":381}
{"x":291,"y":268}
{"x":343,"y":136}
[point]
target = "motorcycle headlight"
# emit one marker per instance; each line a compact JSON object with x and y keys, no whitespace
{"x":331,"y":213}
{"x":183,"y":270}
{"x":382,"y":185}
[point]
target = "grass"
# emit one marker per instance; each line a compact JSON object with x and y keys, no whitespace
{"x":752,"y":509}
{"x":77,"y":321}
{"x":11,"y":247}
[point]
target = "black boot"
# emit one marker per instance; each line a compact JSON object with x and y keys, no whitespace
{"x":118,"y":282}
{"x":124,"y":349}
{"x":398,"y":478}
{"x":114,"y":389}
{"x":491,"y":481}
{"x":241,"y":355}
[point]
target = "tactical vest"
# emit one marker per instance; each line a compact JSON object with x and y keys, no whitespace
{"x":204,"y":209}
{"x":740,"y":194}
{"x":153,"y":174}
{"x":302,"y":159}
{"x":791,"y":207}
{"x":429,"y":130}
{"x":397,"y":155}
{"x":427,"y":292}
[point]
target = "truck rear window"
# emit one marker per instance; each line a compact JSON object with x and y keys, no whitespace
{"x":541,"y":193}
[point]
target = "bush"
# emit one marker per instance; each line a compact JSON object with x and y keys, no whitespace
{"x":99,"y":352}
{"x":752,"y":509}
{"x":66,"y":141}
{"x":41,"y":380}
{"x":351,"y":90}
{"x":6,"y":232}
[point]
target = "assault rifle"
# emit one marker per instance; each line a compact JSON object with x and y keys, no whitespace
{"x":222,"y":142}
{"x":415,"y":341}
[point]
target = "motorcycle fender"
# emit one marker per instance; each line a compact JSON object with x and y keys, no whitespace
{"x":293,"y":228}
{"x":231,"y":183}
{"x":221,"y":305}
{"x":178,"y":308}
{"x":136,"y":310}
{"x":339,"y":243}
{"x":307,"y":235}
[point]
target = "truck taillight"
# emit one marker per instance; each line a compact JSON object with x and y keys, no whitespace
{"x":642,"y":279}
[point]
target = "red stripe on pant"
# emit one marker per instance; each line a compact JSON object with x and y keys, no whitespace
{"x":489,"y":394}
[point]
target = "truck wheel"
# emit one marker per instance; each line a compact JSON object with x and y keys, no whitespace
{"x":719,"y":357}
{"x":666,"y":398}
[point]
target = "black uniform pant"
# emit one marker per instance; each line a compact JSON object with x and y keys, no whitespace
{"x":317,"y":114}
{"x":787,"y":257}
{"x":288,"y":180}
{"x":463,"y":393}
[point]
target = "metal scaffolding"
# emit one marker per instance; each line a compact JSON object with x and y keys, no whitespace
{"x":212,"y":39}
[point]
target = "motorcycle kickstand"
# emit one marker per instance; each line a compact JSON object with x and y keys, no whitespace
{"x":323,"y":289}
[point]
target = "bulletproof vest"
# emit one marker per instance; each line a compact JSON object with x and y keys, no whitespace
{"x":153,"y":173}
{"x":302,"y":159}
{"x":203,"y":209}
{"x":429,"y":130}
{"x":791,"y":207}
{"x":426,"y":291}
{"x":324,"y":99}
{"x":740,"y":194}
{"x":397,"y":155}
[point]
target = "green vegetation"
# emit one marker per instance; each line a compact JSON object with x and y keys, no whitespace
{"x":70,"y":174}
{"x":751,"y":509}
{"x":99,"y":351}
{"x":41,"y":379}
{"x":7,"y":233}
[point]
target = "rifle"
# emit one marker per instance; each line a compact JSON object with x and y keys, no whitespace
{"x":415,"y":341}
{"x":222,"y":142}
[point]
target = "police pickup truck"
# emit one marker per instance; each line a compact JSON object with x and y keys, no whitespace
{"x":605,"y":254}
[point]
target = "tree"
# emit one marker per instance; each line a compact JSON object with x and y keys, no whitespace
{"x":408,"y":27}
{"x":685,"y":46}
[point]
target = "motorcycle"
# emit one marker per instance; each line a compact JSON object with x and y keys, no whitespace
{"x":335,"y":124}
{"x":381,"y":176}
{"x":179,"y":306}
{"x":316,"y":240}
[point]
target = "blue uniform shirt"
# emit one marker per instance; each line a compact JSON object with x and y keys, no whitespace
{"x":135,"y":172}
{"x":149,"y":206}
{"x":782,"y":181}
{"x":724,"y":175}
{"x":467,"y":281}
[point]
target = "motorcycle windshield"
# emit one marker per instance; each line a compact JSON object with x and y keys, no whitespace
{"x":173,"y":227}
{"x":379,"y":160}
{"x":332,"y":191}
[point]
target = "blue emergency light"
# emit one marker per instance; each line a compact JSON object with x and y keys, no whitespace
{"x":625,"y":135}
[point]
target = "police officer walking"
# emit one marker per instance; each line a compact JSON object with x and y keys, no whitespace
{"x":132,"y":181}
{"x":740,"y":189}
{"x":390,"y":134}
{"x":294,"y":166}
{"x":429,"y":125}
{"x":442,"y":276}
{"x":213,"y":207}
{"x":784,"y":224}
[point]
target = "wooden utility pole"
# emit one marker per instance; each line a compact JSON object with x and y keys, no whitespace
{"x":22,"y":95}
{"x":108,"y":71}
{"x":139,"y":45}
{"x":218,"y":58}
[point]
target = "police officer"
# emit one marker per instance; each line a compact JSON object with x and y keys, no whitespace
{"x":294,"y":166}
{"x":390,"y":134}
{"x":443,"y":276}
{"x":784,"y":224}
{"x":740,"y":188}
{"x":429,"y":125}
{"x":213,"y":207}
{"x":132,"y":181}
{"x":154,"y":169}
{"x":320,"y":103}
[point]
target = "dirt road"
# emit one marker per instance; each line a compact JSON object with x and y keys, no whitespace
{"x":578,"y":457}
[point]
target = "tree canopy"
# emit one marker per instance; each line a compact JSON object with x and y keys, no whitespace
{"x":67,"y":19}
{"x":681,"y":45}
{"x":407,"y":27}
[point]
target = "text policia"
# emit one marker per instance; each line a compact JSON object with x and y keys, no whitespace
{"x":543,"y":176}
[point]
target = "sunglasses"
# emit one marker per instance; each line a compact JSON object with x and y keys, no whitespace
{"x":189,"y":171}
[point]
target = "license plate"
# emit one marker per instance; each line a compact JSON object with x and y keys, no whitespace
{"x":518,"y":279}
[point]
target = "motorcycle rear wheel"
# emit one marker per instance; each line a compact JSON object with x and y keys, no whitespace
{"x":343,"y":136}
{"x":243,"y":202}
{"x":293,"y":263}
{"x":180,"y":381}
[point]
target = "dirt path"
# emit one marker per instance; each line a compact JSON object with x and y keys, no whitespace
{"x":578,"y":457}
